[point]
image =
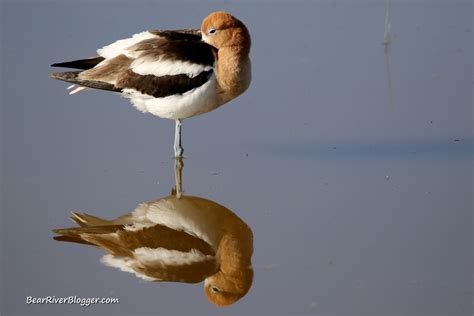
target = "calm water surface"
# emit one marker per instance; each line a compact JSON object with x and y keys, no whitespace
{"x":357,"y":206}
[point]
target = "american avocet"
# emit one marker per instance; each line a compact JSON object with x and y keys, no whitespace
{"x":173,"y":74}
{"x":187,"y":239}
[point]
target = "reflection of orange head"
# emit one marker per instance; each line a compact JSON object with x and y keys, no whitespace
{"x":220,"y":29}
{"x":223,"y":290}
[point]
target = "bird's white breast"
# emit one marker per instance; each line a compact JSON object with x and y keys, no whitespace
{"x":178,"y":106}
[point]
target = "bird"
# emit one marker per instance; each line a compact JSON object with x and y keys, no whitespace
{"x":173,"y":74}
{"x":177,"y":239}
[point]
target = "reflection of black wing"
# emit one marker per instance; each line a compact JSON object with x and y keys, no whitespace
{"x":162,"y":254}
{"x":119,"y":241}
{"x":156,"y":252}
{"x":187,"y":267}
{"x":160,"y":236}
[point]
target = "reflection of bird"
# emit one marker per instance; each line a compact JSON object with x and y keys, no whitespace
{"x":172,"y":74}
{"x":187,"y":239}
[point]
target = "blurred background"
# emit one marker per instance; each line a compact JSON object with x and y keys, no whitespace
{"x":350,"y":157}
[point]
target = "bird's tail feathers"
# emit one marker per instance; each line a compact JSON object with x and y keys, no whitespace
{"x":84,"y":64}
{"x":81,"y":234}
{"x":85,"y":220}
{"x":73,"y":77}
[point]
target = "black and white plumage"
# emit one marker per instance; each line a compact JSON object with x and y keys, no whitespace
{"x":166,"y":73}
{"x":171,"y":74}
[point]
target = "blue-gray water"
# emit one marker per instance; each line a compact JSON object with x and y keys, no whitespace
{"x":358,"y":207}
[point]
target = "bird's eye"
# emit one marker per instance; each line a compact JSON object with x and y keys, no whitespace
{"x":212,"y":31}
{"x":215,"y":289}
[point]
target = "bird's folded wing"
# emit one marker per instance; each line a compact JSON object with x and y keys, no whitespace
{"x":154,"y":63}
{"x":76,"y":234}
{"x":158,"y":67}
{"x":159,"y":264}
{"x":84,"y":219}
{"x":157,"y":253}
{"x":84,"y":64}
{"x":117,"y":240}
{"x":160,"y":236}
{"x":174,"y":266}
{"x":183,"y":34}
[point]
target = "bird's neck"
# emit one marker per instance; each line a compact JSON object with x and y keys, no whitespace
{"x":233,"y":70}
{"x":235,"y":248}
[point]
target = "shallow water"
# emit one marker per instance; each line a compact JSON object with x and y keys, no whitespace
{"x":357,"y":207}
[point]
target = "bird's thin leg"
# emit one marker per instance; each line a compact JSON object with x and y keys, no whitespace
{"x":178,"y":149}
{"x":178,"y":174}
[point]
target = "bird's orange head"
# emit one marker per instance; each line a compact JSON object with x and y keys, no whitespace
{"x":223,"y":290}
{"x":220,"y":29}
